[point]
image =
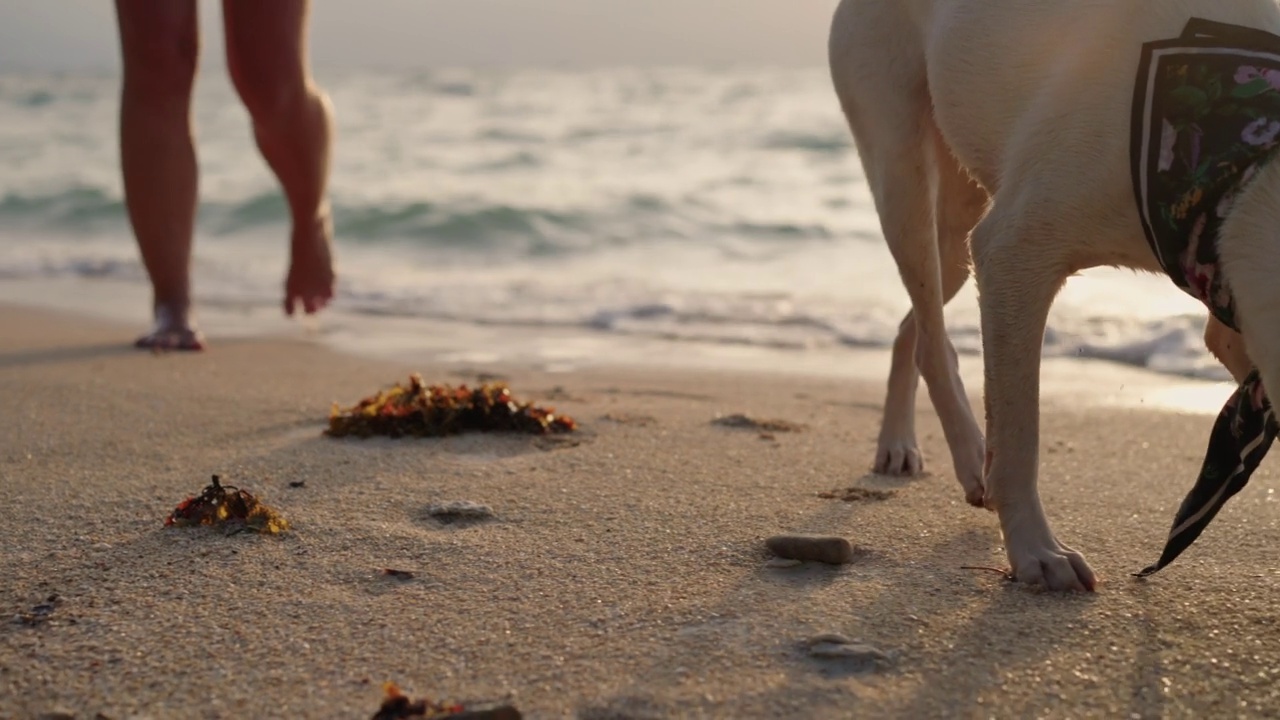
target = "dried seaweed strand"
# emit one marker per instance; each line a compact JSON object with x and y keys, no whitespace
{"x":1002,"y":573}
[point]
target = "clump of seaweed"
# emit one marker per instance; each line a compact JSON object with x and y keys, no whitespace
{"x":421,"y":410}
{"x":396,"y":706}
{"x":228,"y":506}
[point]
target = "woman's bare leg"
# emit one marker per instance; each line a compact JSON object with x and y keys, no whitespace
{"x":160,"y":43}
{"x":293,"y":125}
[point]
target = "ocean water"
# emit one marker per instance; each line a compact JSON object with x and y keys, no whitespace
{"x":722,"y":207}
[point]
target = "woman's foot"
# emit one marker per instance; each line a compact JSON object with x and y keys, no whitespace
{"x":309,"y":285}
{"x":174,"y":330}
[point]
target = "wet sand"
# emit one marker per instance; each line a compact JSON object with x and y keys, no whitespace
{"x":624,"y":574}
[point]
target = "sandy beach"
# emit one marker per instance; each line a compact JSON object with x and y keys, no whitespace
{"x":624,"y":574}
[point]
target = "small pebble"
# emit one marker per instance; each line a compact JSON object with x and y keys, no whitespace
{"x":782,"y":563}
{"x":859,"y":652}
{"x":829,"y":638}
{"x":459,"y":510}
{"x":838,"y":647}
{"x":738,"y":420}
{"x":830,"y":549}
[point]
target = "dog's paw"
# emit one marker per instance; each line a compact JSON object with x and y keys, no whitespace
{"x":1051,"y":566}
{"x":971,"y":466}
{"x":975,"y":495}
{"x":898,"y":458}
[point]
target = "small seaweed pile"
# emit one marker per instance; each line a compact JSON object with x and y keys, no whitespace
{"x":421,"y":410}
{"x":396,"y":706}
{"x":228,"y":506}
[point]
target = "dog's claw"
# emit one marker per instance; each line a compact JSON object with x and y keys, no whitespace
{"x":899,"y":459}
{"x":977,"y":497}
{"x":1056,"y":568}
{"x":970,"y":462}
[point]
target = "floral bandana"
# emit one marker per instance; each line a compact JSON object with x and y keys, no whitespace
{"x":1206,"y":117}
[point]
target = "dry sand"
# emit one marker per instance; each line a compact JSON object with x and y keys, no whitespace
{"x":624,"y":575}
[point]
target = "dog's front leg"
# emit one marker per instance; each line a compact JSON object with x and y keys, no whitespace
{"x":1018,"y":275}
{"x":1227,"y":345}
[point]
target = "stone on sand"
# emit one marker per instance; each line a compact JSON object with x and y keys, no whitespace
{"x":838,"y":647}
{"x":459,"y":510}
{"x":830,"y":549}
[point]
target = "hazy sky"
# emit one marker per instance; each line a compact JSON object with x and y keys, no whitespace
{"x":73,"y":34}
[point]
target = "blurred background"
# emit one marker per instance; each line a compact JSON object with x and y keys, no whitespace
{"x":548,"y":180}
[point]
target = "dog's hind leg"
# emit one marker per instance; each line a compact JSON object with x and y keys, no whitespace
{"x":887,"y":103}
{"x":959,"y":203}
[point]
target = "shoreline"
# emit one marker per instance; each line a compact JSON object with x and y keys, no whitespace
{"x":1064,"y":381}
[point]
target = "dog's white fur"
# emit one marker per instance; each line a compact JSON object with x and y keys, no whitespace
{"x":1000,"y":129}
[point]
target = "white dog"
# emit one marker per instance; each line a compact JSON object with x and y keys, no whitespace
{"x":1002,"y":129}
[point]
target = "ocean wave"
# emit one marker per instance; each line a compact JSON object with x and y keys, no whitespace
{"x":522,"y":160}
{"x":833,"y":142}
{"x":86,"y":208}
{"x":456,"y":88}
{"x":1169,"y":345}
{"x":780,"y":231}
{"x":505,"y":135}
{"x":77,"y":208}
{"x":111,"y":266}
{"x":529,"y":231}
{"x":34,"y":99}
{"x":263,"y":209}
{"x":455,"y":83}
{"x":582,"y":135}
{"x":475,"y":225}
